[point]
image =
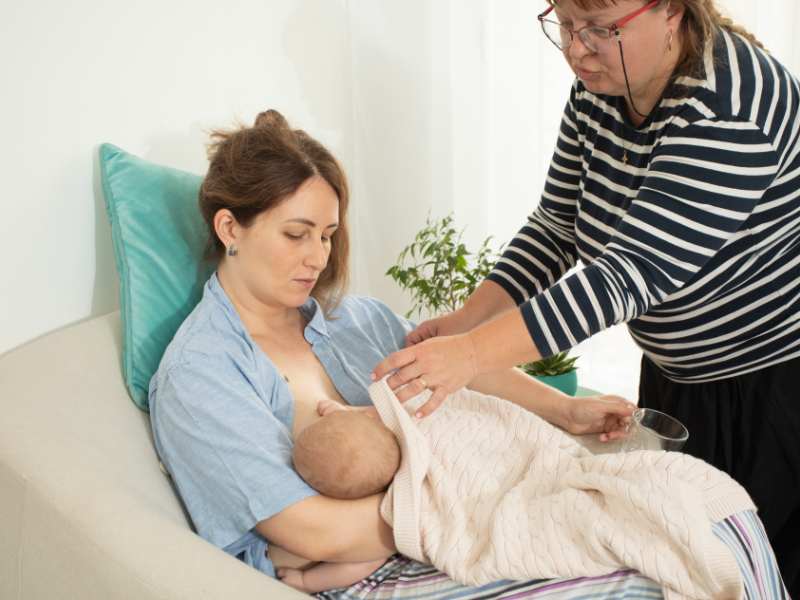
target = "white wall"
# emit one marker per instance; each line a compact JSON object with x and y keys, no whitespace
{"x":432,"y":105}
{"x":395,"y":141}
{"x":424,"y":90}
{"x":151,"y":77}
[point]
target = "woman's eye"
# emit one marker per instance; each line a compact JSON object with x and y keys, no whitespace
{"x":602,"y":33}
{"x":293,"y":236}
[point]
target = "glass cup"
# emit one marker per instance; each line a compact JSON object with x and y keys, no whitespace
{"x":653,"y":430}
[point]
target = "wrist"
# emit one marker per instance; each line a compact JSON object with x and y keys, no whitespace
{"x":472,"y":354}
{"x":552,"y":404}
{"x":304,"y":587}
{"x":562,"y":413}
{"x":466,"y":318}
{"x":486,"y":302}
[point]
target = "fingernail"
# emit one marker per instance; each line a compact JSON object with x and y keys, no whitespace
{"x":372,"y":376}
{"x":418,"y":415}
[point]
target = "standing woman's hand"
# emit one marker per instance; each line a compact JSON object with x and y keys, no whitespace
{"x":440,"y":364}
{"x":446,"y":364}
{"x":488,"y":301}
{"x":448,"y":324}
{"x":610,"y":416}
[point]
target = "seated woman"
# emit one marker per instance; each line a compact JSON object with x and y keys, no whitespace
{"x":272,"y":336}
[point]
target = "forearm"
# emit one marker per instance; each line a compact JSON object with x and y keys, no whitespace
{"x":326,"y":529}
{"x":359,"y":533}
{"x":486,"y":302}
{"x":525,"y":391}
{"x":502,"y":343}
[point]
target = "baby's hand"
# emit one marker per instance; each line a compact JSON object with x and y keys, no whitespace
{"x":292,"y":577}
{"x":326,"y":407}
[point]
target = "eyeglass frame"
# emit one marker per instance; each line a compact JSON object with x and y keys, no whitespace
{"x":613,"y":30}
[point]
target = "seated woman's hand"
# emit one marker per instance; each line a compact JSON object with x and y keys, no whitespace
{"x":610,"y":416}
{"x":293,"y":578}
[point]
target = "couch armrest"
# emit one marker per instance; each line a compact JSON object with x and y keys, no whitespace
{"x":85,"y":511}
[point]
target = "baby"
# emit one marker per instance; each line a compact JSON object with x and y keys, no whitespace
{"x":366,"y":459}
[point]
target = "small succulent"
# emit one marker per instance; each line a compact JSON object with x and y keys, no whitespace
{"x":558,"y":364}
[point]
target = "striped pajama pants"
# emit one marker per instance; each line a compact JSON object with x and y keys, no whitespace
{"x":404,"y":578}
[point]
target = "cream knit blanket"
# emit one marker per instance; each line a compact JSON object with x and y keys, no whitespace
{"x":487,"y":490}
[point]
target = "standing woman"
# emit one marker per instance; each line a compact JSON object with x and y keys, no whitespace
{"x":676,"y":182}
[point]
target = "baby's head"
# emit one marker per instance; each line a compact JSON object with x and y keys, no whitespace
{"x":347,"y":454}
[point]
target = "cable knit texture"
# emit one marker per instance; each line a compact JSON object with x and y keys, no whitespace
{"x":487,"y":490}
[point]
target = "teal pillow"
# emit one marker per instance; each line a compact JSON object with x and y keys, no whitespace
{"x":159,"y":237}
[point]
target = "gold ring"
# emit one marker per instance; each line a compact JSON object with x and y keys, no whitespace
{"x":424,"y":384}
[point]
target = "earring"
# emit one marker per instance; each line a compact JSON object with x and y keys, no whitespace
{"x":232,"y":250}
{"x":669,"y":42}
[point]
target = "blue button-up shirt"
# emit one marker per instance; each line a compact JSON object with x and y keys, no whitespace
{"x":222,"y":413}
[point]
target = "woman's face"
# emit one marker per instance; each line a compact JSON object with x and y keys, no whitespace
{"x":285,"y":249}
{"x":644,"y":44}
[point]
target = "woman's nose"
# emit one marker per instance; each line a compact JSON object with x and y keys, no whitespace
{"x":578,"y":48}
{"x":317,"y":256}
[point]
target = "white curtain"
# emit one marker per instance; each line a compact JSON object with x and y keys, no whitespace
{"x":457,"y":104}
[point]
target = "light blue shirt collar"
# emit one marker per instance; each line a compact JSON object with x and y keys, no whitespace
{"x":311,"y":310}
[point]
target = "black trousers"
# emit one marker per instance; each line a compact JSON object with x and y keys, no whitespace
{"x":749,"y":427}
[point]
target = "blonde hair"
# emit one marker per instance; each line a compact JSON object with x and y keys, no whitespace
{"x":701,"y":23}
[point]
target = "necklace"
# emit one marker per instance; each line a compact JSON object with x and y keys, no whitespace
{"x":625,"y":148}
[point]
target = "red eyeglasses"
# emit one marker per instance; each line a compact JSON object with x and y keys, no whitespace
{"x":592,"y":36}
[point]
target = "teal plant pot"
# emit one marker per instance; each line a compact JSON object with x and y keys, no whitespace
{"x":566,"y":382}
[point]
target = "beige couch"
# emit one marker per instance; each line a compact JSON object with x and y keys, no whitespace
{"x":85,"y":511}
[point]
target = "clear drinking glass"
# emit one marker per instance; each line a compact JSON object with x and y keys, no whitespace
{"x":653,"y":430}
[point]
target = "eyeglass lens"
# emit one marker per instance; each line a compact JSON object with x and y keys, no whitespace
{"x":561,"y":36}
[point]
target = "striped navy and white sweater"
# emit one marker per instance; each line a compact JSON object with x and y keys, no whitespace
{"x":694,"y":242}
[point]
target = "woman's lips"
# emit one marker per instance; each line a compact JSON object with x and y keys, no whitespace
{"x":584,"y":74}
{"x":307,"y":283}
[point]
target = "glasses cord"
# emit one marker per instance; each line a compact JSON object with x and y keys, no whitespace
{"x":627,"y":83}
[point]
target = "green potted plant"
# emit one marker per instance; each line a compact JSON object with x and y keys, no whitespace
{"x":558,"y":371}
{"x":440,"y":273}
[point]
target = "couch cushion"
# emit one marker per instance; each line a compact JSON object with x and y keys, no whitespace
{"x":158,"y":237}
